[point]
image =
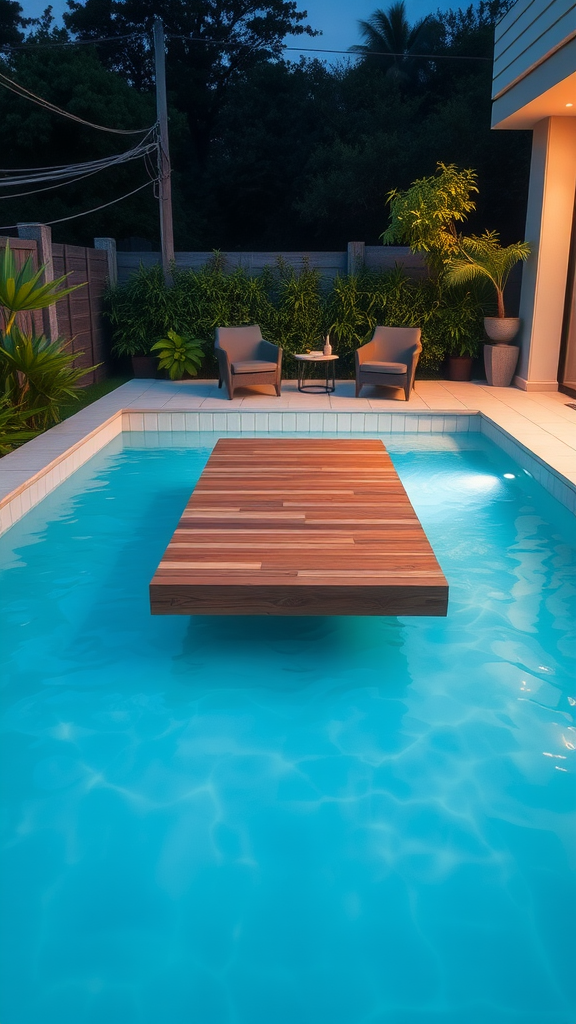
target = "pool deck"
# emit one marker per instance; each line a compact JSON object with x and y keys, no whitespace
{"x":541,"y":422}
{"x":299,"y":526}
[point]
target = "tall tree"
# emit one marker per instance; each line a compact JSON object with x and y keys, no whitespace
{"x":12,"y":22}
{"x":210,"y":44}
{"x":390,"y":32}
{"x":73,"y":78}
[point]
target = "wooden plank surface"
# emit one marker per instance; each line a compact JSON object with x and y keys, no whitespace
{"x":299,"y":526}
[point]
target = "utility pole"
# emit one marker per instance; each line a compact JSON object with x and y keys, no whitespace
{"x":164,"y":184}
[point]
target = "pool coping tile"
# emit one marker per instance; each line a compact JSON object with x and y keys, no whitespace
{"x":537,"y":429}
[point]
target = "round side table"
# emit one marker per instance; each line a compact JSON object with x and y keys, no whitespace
{"x":329,"y":384}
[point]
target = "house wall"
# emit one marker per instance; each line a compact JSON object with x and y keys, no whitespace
{"x":529,"y":34}
{"x":548,"y":229}
{"x":534,"y":86}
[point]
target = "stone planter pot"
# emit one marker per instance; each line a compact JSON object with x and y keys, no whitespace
{"x":501,"y":329}
{"x":459,"y":367}
{"x":500,"y":363}
{"x":145,"y":367}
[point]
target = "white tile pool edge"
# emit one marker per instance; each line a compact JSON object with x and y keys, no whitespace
{"x":32,"y":490}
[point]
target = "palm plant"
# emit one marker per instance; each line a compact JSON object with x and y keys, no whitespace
{"x":390,"y":32}
{"x":483,"y":257}
{"x":20,"y":290}
{"x":39,"y":375}
{"x":14,"y":425}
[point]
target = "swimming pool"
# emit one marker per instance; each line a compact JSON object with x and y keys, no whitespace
{"x":288,"y":821}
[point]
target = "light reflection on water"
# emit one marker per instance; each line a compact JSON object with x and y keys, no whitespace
{"x":271,"y":821}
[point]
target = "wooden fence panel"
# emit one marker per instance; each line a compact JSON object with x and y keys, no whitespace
{"x":22,"y":249}
{"x":79,"y":314}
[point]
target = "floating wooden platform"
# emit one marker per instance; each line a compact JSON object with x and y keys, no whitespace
{"x":299,"y":526}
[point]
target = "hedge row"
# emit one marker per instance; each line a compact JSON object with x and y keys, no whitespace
{"x":293,"y":310}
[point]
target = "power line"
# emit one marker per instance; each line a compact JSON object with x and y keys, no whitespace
{"x":33,"y":176}
{"x":348,"y":53}
{"x":7,"y":47}
{"x":384,"y":53}
{"x":73,"y":173}
{"x":223,"y":44}
{"x":27,"y":94}
{"x":84,"y":213}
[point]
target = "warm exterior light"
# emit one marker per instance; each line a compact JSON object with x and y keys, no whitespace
{"x":569,"y":104}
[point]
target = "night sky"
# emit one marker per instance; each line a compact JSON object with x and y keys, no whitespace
{"x":336,"y":18}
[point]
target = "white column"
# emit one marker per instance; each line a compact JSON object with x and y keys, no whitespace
{"x":548,"y":229}
{"x":42,"y":235}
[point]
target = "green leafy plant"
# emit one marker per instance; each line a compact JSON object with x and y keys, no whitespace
{"x":21,"y":291}
{"x":300,"y":321}
{"x":14,"y":426}
{"x":459,"y":321}
{"x":294,"y":310}
{"x":425,"y":216}
{"x":179,"y":355}
{"x":139,"y":311}
{"x":484,"y":258}
{"x":38,"y":375}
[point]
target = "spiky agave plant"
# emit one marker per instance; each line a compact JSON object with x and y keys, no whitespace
{"x":15,"y":428}
{"x":21,"y":291}
{"x":482,"y":257}
{"x":39,"y":375}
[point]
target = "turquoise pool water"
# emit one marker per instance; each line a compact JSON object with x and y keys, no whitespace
{"x":275,"y":821}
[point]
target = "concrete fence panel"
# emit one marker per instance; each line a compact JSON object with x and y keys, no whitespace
{"x":330,"y":264}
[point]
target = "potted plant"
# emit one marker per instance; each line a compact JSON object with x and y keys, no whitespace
{"x":460,"y":321}
{"x":483,"y":258}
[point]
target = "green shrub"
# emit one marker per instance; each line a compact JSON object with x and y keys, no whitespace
{"x":14,"y":425}
{"x":179,"y":355}
{"x":292,"y":309}
{"x":38,"y":376}
{"x":139,"y":312}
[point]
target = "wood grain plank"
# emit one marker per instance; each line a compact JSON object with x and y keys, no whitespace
{"x":299,"y":526}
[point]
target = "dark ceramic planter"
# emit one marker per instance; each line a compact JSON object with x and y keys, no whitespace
{"x":145,"y":367}
{"x":460,"y":367}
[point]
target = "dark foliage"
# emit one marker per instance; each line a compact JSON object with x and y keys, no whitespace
{"x":267,"y":154}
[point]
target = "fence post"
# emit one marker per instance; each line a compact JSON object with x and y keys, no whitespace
{"x":42,"y":235}
{"x":356,"y":254}
{"x":109,"y":244}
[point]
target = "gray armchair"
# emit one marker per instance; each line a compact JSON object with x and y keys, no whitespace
{"x":244,"y":358}
{"x":390,"y":359}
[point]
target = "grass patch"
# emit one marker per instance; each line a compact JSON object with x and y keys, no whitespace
{"x":91,"y":394}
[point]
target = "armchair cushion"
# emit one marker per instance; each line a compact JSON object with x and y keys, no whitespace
{"x":253,"y":366}
{"x":379,"y":367}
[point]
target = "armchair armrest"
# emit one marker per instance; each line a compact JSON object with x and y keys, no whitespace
{"x":366,"y":352}
{"x":270,"y":352}
{"x":223,"y":358}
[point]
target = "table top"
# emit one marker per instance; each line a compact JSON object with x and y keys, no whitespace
{"x":314,"y":357}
